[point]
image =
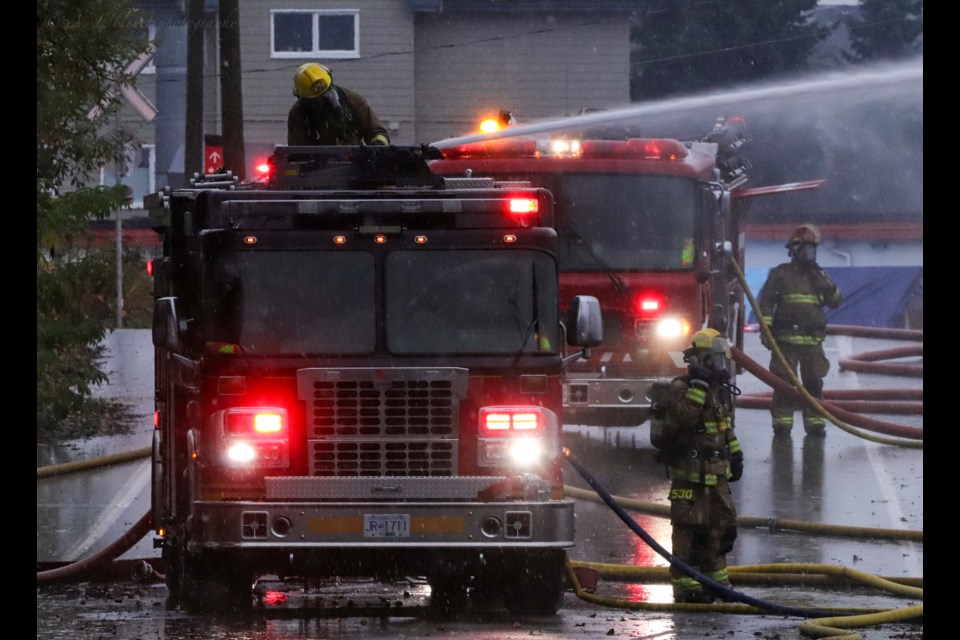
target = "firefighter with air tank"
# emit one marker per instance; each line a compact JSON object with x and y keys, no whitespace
{"x":693,"y":429}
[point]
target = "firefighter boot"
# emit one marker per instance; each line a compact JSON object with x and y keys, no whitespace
{"x":815,"y":426}
{"x":781,"y":431}
{"x":781,"y":418}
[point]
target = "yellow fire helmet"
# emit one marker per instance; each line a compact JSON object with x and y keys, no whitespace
{"x":311,"y":80}
{"x":712,"y":341}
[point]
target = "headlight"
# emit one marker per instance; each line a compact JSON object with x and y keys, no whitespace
{"x":518,"y":437}
{"x":254,"y":436}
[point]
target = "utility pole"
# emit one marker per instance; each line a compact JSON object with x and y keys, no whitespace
{"x":231,"y":90}
{"x":118,"y":230}
{"x":193,"y":144}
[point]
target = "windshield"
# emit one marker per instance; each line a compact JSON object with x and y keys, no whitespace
{"x":436,"y":302}
{"x":293,"y":302}
{"x":625,"y":222}
{"x":471,"y":302}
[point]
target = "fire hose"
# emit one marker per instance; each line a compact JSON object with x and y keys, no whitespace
{"x":101,"y":560}
{"x":819,"y":623}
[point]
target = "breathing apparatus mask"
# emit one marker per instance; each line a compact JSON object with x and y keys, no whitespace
{"x":806,"y":253}
{"x":706,"y":364}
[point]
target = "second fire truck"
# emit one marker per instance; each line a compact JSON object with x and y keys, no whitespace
{"x":647,"y":225}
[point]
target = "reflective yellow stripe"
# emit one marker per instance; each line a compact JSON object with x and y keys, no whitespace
{"x":720,"y":575}
{"x":697,"y":396}
{"x":686,"y":583}
{"x":802,"y":298}
{"x":734,"y":446}
{"x":803,"y":341}
{"x":708,"y":479}
{"x":711,"y":427}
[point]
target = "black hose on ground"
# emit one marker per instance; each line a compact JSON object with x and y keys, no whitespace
{"x":722,"y":591}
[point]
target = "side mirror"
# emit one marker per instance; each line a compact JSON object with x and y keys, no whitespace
{"x":166,"y":324}
{"x":585,"y":322}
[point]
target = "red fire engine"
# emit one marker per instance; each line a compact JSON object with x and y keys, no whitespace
{"x":648,"y":226}
{"x":359,"y":374}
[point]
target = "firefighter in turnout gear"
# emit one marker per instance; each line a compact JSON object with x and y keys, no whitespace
{"x":328,"y":114}
{"x":791,"y":303}
{"x":702,"y":456}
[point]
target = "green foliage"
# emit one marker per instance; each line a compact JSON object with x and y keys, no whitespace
{"x":689,"y":46}
{"x":72,"y":310}
{"x":886,"y":30}
{"x":82,"y":49}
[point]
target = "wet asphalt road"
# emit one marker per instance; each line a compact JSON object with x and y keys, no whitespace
{"x":840,"y":480}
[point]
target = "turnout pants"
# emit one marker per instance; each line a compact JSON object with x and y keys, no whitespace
{"x":813,"y":365}
{"x":704,"y":522}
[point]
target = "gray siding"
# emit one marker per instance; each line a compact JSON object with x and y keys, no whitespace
{"x":537,"y":65}
{"x":383,"y":73}
{"x":428,"y":76}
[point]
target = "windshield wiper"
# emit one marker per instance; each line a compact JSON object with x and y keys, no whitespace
{"x":534,"y":320}
{"x":614,"y":277}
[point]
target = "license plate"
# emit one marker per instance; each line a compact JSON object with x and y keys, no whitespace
{"x":386,"y":525}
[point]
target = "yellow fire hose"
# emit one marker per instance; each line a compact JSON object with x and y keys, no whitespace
{"x":93,"y":463}
{"x":774,"y":524}
{"x":829,"y":627}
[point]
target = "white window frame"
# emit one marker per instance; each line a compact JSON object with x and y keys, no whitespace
{"x":315,"y":51}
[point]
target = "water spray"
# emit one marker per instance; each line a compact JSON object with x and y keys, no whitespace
{"x":886,"y":77}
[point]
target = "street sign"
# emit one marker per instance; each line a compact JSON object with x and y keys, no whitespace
{"x":212,"y":153}
{"x":212,"y":159}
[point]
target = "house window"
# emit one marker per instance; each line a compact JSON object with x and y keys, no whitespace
{"x":139,"y":174}
{"x":315,"y":34}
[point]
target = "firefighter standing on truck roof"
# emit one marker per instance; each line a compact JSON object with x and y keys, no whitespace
{"x":791,"y":304}
{"x":702,"y":455}
{"x":328,"y":114}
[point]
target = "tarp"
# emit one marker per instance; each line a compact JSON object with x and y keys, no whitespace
{"x":872,"y":296}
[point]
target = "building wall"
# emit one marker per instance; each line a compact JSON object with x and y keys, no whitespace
{"x":536,"y":65}
{"x":383,"y":73}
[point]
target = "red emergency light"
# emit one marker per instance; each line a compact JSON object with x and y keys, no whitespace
{"x":524,"y":205}
{"x":639,"y":148}
{"x":502,"y":148}
{"x":649,"y":305}
{"x":505,"y":421}
{"x":264,"y":171}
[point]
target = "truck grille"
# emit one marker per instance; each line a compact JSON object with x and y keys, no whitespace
{"x":382,"y":422}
